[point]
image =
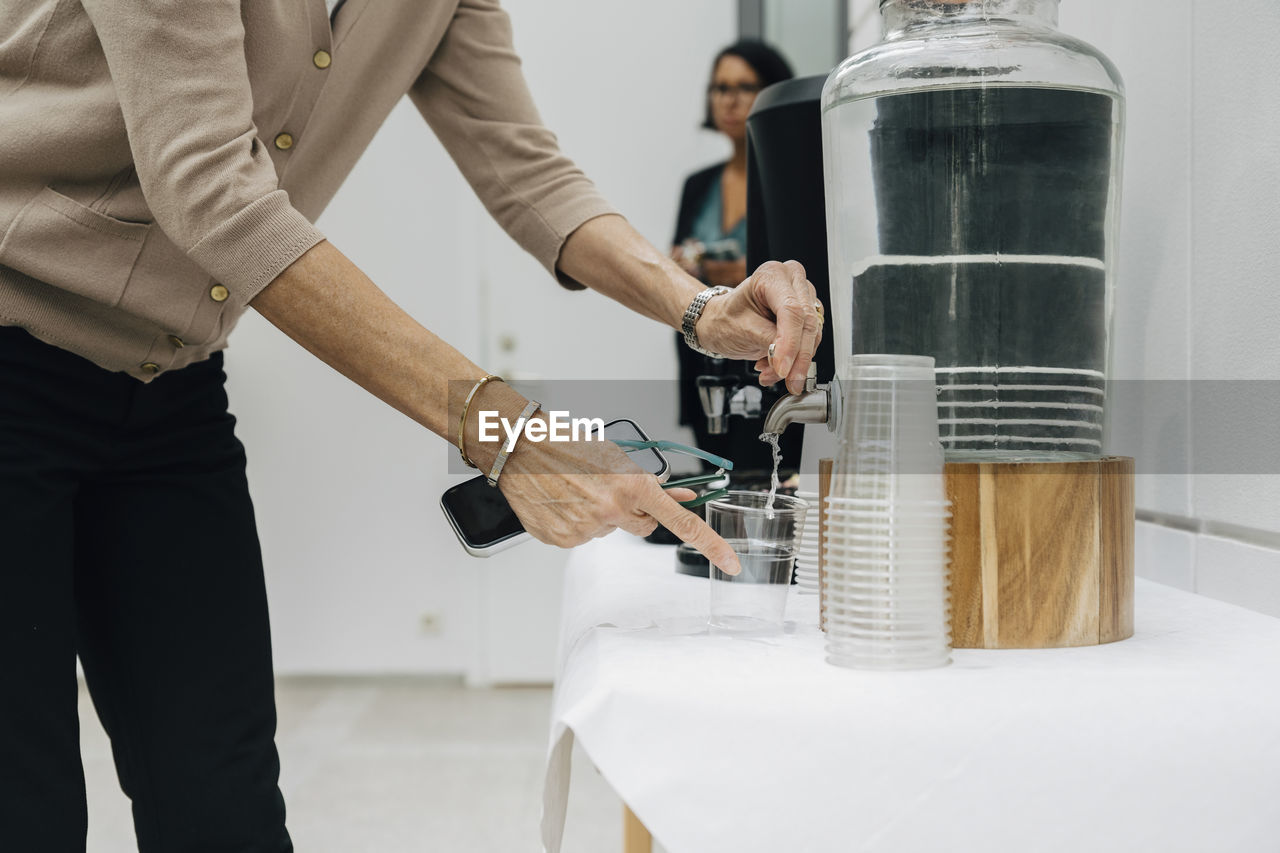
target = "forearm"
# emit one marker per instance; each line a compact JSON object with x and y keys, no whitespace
{"x":326,"y":304}
{"x":609,"y":256}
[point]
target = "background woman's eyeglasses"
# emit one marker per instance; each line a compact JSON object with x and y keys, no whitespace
{"x":737,"y":90}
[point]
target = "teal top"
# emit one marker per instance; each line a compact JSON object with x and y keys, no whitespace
{"x":707,"y":228}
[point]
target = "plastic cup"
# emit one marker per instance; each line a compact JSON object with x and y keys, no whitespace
{"x":888,"y":570}
{"x":881,"y":657}
{"x":895,"y":611}
{"x":755,"y":600}
{"x":869,"y":503}
{"x":920,"y":540}
{"x":857,"y":622}
{"x":898,"y":515}
{"x":891,"y":611}
{"x":911,"y":606}
{"x":886,"y":644}
{"x":918,"y":587}
{"x":869,"y":550}
{"x":851,"y":628}
{"x":894,"y":566}
{"x":894,"y":644}
{"x":919,"y":528}
{"x":885,"y":647}
{"x":885,"y":560}
{"x":905,"y":590}
{"x":908,"y":633}
{"x":923,"y":507}
{"x":915,"y":659}
{"x":872,"y":601}
{"x":903,"y":600}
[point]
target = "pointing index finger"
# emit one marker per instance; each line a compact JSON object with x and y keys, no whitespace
{"x":689,"y":528}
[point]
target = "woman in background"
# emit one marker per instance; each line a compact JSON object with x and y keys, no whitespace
{"x":711,"y":227}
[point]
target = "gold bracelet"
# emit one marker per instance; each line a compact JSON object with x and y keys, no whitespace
{"x":466,"y":406}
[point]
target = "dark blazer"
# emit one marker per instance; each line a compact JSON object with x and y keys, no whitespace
{"x":696,"y":187}
{"x":695,"y":192}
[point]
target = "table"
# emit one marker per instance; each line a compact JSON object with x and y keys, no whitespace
{"x":1169,"y":741}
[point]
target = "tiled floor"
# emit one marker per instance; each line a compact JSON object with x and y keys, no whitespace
{"x":397,"y":766}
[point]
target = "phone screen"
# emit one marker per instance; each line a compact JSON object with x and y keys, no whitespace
{"x":480,"y":513}
{"x":481,"y":516}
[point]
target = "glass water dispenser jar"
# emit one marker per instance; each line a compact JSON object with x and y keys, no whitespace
{"x":972,"y":162}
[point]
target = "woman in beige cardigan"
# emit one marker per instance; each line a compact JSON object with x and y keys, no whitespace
{"x":161,"y":164}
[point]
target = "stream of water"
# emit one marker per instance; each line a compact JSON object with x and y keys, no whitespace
{"x":771,"y":439}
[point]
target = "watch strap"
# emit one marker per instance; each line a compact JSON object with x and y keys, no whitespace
{"x":689,"y":323}
{"x":500,"y":462}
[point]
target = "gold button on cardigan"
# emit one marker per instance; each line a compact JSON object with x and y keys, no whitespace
{"x":128,"y":206}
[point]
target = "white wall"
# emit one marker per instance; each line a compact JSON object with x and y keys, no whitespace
{"x":864,"y":24}
{"x":363,"y":573}
{"x":1198,"y":295}
{"x":804,"y":31}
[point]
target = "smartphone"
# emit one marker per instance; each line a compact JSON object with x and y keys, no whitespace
{"x":485,"y":523}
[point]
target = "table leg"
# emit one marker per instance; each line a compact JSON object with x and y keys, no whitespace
{"x":635,"y":838}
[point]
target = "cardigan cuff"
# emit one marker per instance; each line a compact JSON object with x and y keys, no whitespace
{"x":562,"y":225}
{"x":247,"y":252}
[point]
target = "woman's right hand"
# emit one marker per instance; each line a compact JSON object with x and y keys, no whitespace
{"x":567,"y":493}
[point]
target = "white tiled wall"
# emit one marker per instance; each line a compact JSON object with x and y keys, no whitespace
{"x":1235,"y":297}
{"x":1197,"y":293}
{"x":1240,"y":573}
{"x":1198,"y":287}
{"x":1166,"y":555}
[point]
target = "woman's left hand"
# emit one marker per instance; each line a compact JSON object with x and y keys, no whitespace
{"x":776,"y":306}
{"x":726,"y":273}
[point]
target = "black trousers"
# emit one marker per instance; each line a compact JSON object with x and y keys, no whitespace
{"x":127,"y":537}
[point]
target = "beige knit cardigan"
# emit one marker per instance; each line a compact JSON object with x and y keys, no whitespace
{"x":162,"y":161}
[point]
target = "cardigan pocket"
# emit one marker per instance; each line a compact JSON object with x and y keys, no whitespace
{"x":171,"y":291}
{"x":63,"y":243}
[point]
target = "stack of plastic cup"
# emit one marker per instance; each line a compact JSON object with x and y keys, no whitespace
{"x":885,"y":595}
{"x":807,"y":550}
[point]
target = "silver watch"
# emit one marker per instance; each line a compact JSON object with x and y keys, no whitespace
{"x":689,"y":324}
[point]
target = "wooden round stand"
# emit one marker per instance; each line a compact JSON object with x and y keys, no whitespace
{"x":1041,"y":553}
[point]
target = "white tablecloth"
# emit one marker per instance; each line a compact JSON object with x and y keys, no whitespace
{"x":1169,"y":741}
